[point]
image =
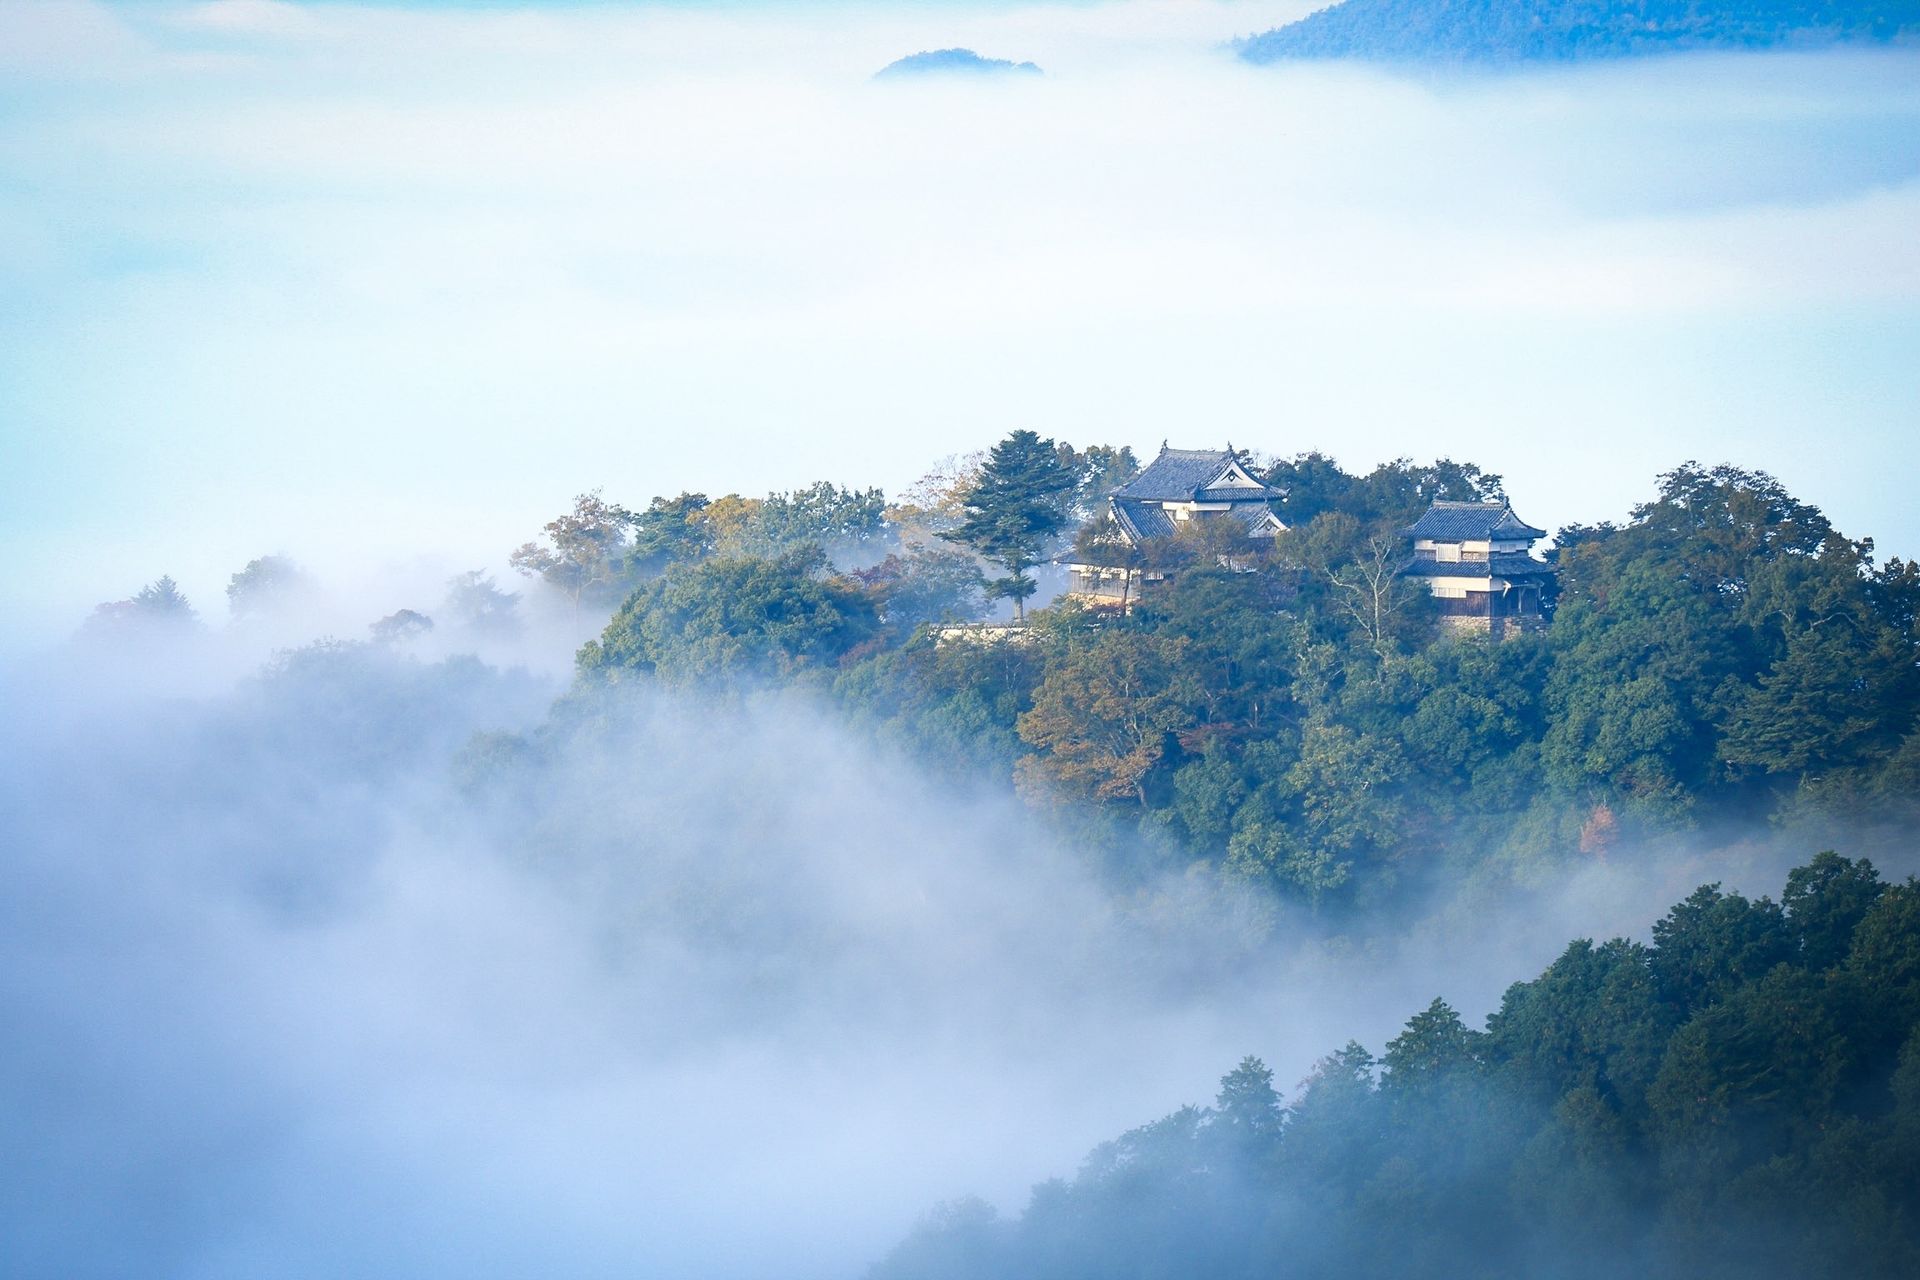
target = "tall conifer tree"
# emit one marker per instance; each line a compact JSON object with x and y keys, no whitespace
{"x":1014,"y":509}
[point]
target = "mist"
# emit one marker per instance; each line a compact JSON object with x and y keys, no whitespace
{"x":700,"y":985}
{"x":321,"y":957}
{"x":357,"y":283}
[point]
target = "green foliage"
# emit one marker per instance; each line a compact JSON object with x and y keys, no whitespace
{"x":691,"y":527}
{"x":1727,"y":638}
{"x":1360,"y":584}
{"x":476,"y":602}
{"x":1526,"y":30}
{"x":1605,"y":1123}
{"x":1435,"y":1047}
{"x":266,"y":586}
{"x":1385,"y":500}
{"x":1298,"y":720}
{"x":399,"y":627}
{"x":952,"y":703}
{"x":1015,"y":507}
{"x":1631,"y":698}
{"x":163,"y":599}
{"x":670,"y":530}
{"x":1338,"y":803}
{"x":1825,"y":902}
{"x":1884,"y":955}
{"x":1247,"y":1102}
{"x":585,"y":556}
{"x":1097,"y":471}
{"x":925,"y":584}
{"x":1713,"y":943}
{"x":1593,"y":1021}
{"x":821,"y":513}
{"x":734,"y":621}
{"x":158,"y":609}
{"x":1310,"y":485}
{"x":1820,"y":705}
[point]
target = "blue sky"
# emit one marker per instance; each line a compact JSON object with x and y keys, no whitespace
{"x":378,"y":285}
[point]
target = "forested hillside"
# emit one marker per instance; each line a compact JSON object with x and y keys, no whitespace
{"x":1303,"y":725}
{"x":1554,"y":30}
{"x":1740,"y":1099}
{"x":1297,"y":721}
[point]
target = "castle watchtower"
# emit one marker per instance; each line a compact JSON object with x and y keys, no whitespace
{"x":1476,"y":558}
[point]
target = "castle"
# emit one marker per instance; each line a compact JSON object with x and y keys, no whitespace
{"x":1182,"y":490}
{"x":1474,"y":557}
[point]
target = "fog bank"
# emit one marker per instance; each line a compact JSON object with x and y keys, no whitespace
{"x":339,"y":280}
{"x":294,"y":986}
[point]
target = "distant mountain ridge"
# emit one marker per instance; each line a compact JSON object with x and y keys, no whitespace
{"x":1575,"y":30}
{"x":950,"y":61}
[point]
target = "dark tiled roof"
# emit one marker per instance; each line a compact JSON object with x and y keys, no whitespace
{"x":1141,"y":520}
{"x":1471,"y":522}
{"x":1261,"y":522}
{"x":1181,"y":475}
{"x":1145,"y":520}
{"x":1501,"y":566}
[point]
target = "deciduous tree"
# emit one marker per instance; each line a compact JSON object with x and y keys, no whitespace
{"x":1105,"y":715}
{"x":585,"y":556}
{"x":477,"y":603}
{"x":265,"y":586}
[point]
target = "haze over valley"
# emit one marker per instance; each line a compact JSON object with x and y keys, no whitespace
{"x":634,"y":651}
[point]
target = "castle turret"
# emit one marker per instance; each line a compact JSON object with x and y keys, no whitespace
{"x":1476,"y":558}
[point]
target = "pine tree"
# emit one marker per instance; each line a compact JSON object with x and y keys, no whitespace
{"x":1014,"y":509}
{"x":163,"y":601}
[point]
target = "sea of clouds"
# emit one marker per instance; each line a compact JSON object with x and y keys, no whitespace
{"x":386,"y":285}
{"x":704,"y":987}
{"x":724,"y":991}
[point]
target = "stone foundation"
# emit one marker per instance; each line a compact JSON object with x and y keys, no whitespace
{"x":1499,"y":628}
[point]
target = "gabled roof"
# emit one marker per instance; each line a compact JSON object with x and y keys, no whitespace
{"x":1259,"y":519}
{"x":1142,"y":520}
{"x":1183,"y":475}
{"x":1471,"y":522}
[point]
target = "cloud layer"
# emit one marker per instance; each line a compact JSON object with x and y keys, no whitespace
{"x":355,"y":283}
{"x":717,"y":990}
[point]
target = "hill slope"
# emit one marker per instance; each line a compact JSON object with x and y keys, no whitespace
{"x":1739,"y":1100}
{"x":1565,"y":30}
{"x":952,"y":61}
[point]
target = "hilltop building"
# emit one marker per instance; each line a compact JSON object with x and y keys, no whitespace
{"x":1180,"y":489}
{"x":1476,"y":558}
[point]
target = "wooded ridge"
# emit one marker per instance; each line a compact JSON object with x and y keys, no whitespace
{"x":1491,"y":31}
{"x":1739,"y":1099}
